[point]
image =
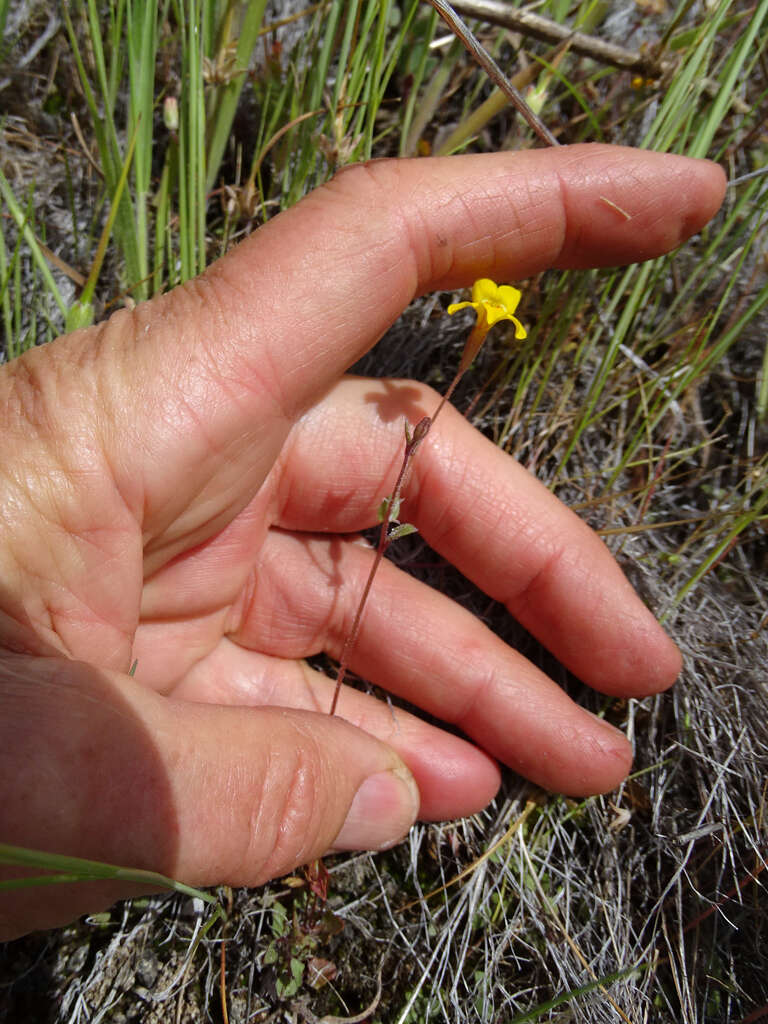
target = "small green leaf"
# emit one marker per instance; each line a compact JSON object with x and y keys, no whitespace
{"x":402,"y":531}
{"x":270,"y":954}
{"x":102,"y":919}
{"x":279,"y":920}
{"x":289,"y":987}
{"x":80,"y":314}
{"x":381,"y":511}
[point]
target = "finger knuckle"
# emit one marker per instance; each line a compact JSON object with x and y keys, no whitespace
{"x":292,"y":820}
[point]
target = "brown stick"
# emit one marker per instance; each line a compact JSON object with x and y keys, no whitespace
{"x":498,"y":13}
{"x":492,"y":69}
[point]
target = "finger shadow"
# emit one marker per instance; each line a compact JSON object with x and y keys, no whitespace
{"x":82,"y":777}
{"x":397,"y":400}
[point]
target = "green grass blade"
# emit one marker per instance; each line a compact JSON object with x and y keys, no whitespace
{"x":582,"y":990}
{"x":727,"y":84}
{"x":191,"y":162}
{"x":225,"y":98}
{"x":141,"y":31}
{"x":753,"y":513}
{"x":413,"y":123}
{"x":762,"y":390}
{"x":6,"y":272}
{"x":22,"y":223}
{"x":81,"y":313}
{"x":105,"y":129}
{"x":77,"y":869}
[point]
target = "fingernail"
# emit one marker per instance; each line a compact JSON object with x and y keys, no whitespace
{"x":611,"y":740}
{"x":384,"y":808}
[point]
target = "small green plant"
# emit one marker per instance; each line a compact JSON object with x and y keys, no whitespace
{"x":492,"y":303}
{"x":301,"y":926}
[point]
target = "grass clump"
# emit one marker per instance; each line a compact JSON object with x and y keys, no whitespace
{"x":639,"y":397}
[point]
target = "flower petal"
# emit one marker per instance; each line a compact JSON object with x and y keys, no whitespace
{"x":509,"y":297}
{"x":492,"y":303}
{"x":520,"y":331}
{"x":494,"y":313}
{"x":456,"y":306}
{"x":485,"y":290}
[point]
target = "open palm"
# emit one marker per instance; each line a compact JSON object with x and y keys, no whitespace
{"x":183,"y":486}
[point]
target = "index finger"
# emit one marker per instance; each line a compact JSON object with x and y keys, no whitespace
{"x":327,"y":278}
{"x":225,"y":363}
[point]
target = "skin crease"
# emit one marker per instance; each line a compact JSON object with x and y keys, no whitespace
{"x":183,"y":485}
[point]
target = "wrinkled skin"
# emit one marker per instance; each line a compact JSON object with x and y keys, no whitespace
{"x":183,"y":484}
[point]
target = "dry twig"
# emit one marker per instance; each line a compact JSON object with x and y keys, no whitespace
{"x":498,"y":13}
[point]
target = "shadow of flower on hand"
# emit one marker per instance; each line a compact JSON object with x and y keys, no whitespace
{"x":397,"y":400}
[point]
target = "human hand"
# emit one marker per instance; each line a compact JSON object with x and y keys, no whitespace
{"x":183,"y":483}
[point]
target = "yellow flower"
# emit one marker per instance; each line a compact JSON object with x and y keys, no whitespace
{"x":492,"y":302}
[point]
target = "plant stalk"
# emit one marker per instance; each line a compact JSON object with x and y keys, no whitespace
{"x":413,"y":441}
{"x":494,"y":72}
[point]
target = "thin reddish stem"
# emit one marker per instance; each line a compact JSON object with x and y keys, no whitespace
{"x":447,"y":396}
{"x":420,"y":431}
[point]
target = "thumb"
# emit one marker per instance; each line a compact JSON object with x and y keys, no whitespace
{"x":202,"y":793}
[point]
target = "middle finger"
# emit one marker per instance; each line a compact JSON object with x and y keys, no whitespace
{"x":420,"y":645}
